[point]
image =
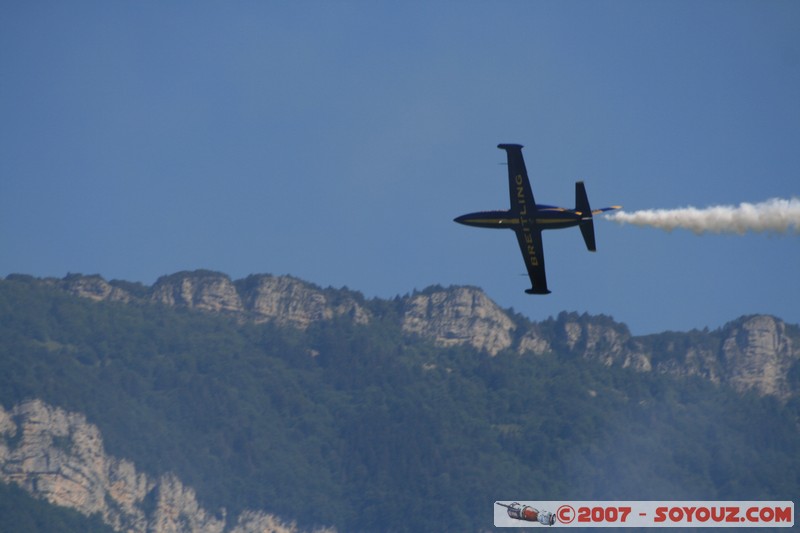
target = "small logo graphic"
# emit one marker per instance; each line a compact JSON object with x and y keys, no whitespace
{"x":529,"y":514}
{"x":565,"y":514}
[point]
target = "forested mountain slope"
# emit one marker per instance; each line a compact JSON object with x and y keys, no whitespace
{"x":328,"y":409}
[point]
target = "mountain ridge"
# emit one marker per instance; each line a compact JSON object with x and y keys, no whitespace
{"x":357,"y":413}
{"x":759,"y":353}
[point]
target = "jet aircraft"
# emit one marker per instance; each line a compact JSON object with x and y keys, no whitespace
{"x":528,"y":219}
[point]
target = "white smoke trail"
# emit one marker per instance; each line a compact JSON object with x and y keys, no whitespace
{"x":776,"y":215}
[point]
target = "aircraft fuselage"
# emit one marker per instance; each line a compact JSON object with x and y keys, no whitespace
{"x":547,"y":217}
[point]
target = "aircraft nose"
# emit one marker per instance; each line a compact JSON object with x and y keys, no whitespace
{"x":460,"y":219}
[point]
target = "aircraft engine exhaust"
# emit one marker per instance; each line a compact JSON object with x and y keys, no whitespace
{"x":775,"y":216}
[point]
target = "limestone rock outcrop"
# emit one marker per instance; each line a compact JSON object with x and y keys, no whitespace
{"x":285,"y":300}
{"x":93,"y":287}
{"x":203,"y":290}
{"x":460,"y":315}
{"x":757,"y":355}
{"x":59,"y":456}
{"x":291,"y":302}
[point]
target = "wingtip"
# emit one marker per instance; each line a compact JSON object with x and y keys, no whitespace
{"x":536,"y":291}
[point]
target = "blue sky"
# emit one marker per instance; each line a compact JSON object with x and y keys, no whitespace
{"x":336,"y":141}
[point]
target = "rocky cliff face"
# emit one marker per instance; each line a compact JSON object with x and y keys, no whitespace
{"x":751,"y":354}
{"x":93,"y":287}
{"x":755,"y":353}
{"x":460,"y":315}
{"x":205,"y":291}
{"x":291,"y":302}
{"x":284,"y":300}
{"x":59,"y":456}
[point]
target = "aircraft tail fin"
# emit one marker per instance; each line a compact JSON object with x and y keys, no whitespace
{"x":587,"y":222}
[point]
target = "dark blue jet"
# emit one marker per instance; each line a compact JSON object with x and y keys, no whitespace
{"x":528,"y":219}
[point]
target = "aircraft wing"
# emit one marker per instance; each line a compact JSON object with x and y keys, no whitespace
{"x":519,"y":187}
{"x":529,"y":236}
{"x":530,"y":244}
